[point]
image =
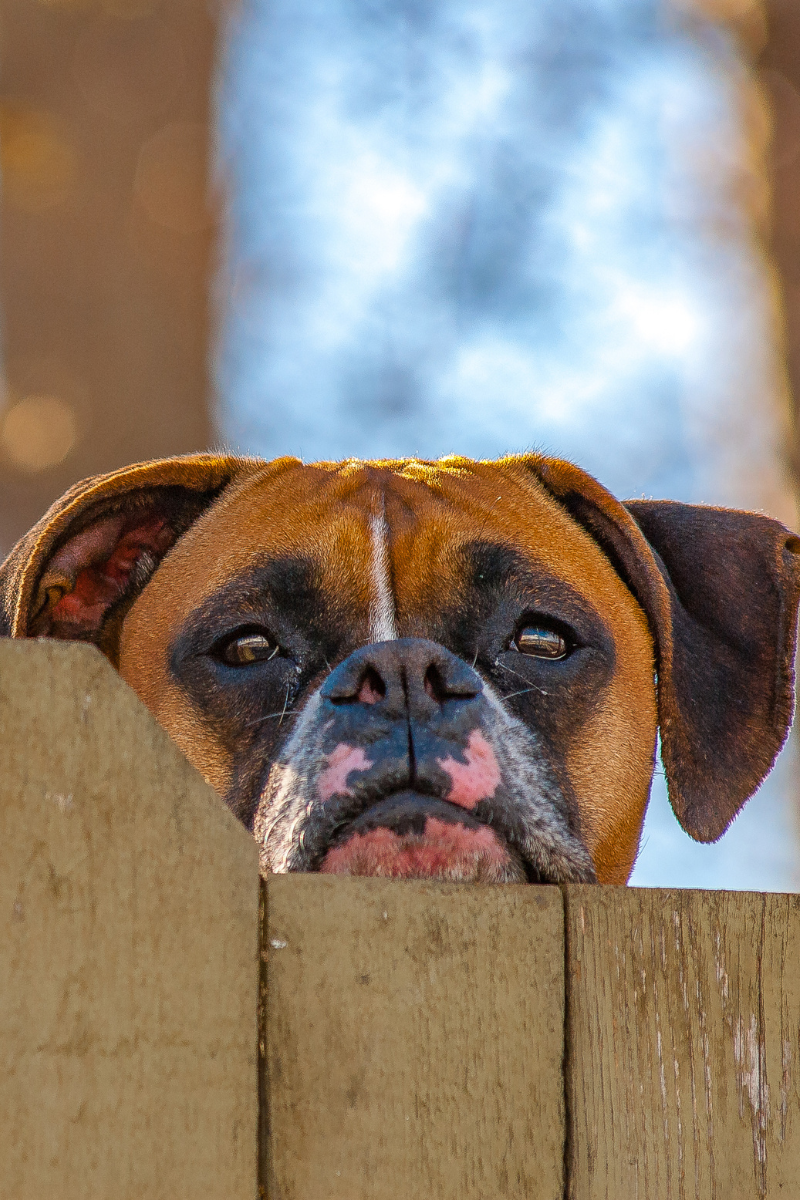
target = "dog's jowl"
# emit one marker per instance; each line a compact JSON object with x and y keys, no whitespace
{"x":447,"y":669}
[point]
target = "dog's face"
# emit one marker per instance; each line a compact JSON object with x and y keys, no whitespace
{"x":443,"y":670}
{"x":411,"y":671}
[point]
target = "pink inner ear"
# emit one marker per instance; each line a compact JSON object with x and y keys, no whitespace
{"x":111,"y":550}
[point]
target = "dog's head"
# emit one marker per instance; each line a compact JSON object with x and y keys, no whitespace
{"x":450,"y":669}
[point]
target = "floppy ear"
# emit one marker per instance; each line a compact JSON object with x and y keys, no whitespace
{"x":720,"y":589}
{"x":77,"y":572}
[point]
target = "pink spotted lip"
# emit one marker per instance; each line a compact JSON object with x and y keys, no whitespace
{"x":442,"y":851}
{"x":408,"y":836}
{"x":476,"y":779}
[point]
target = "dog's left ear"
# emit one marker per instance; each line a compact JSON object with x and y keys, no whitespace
{"x":720,"y":589}
{"x":79,"y":569}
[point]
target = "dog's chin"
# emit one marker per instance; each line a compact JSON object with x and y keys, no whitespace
{"x":441,"y":852}
{"x":408,"y":837}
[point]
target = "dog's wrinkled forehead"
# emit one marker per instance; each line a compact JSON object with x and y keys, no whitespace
{"x":389,"y":546}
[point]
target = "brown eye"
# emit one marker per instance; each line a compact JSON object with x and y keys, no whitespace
{"x":248,"y":648}
{"x":541,"y":642}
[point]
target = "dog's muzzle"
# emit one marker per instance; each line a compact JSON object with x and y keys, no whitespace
{"x":405,"y":763}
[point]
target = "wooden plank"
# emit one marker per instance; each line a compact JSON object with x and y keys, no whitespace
{"x":683,"y":1011}
{"x":128,"y":949}
{"x":413,"y":1041}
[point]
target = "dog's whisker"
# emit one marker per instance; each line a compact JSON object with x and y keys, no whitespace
{"x":269,"y":716}
{"x":524,"y":692}
{"x":519,"y":675}
{"x":511,"y":671}
{"x":285,"y":705}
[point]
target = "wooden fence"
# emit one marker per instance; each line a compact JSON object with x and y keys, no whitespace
{"x":165,"y":1033}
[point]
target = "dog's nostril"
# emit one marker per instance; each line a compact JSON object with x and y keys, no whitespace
{"x":434,"y":684}
{"x":372,"y":688}
{"x":446,"y":685}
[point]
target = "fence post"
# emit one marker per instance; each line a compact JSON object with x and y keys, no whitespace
{"x":413,"y":1041}
{"x":128,"y":949}
{"x":683,"y":1062}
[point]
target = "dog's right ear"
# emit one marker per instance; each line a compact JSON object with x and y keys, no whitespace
{"x":81,"y":567}
{"x":720,"y":590}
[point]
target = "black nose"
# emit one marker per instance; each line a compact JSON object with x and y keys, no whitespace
{"x":409,"y":675}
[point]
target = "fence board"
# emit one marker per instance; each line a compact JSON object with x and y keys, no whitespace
{"x":683,"y":1010}
{"x":414,"y":1041}
{"x":128,"y":949}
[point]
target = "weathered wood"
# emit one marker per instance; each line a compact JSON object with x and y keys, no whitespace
{"x":413,"y":1041}
{"x":128,"y":949}
{"x":683,"y":1011}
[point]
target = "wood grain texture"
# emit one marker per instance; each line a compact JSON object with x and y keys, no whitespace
{"x":128,"y":949}
{"x":413,"y":1040}
{"x":683,"y":1011}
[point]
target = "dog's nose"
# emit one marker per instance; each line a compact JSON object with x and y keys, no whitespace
{"x":409,"y":675}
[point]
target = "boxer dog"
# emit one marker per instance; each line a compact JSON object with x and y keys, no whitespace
{"x":448,"y":669}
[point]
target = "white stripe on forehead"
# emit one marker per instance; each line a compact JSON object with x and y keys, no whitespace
{"x":381,"y":608}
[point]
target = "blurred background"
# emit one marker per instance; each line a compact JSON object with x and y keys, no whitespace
{"x":388,"y":227}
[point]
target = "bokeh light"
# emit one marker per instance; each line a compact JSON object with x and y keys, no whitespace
{"x":38,"y":161}
{"x":38,"y":432}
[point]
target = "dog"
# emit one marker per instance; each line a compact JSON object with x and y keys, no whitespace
{"x":449,"y":670}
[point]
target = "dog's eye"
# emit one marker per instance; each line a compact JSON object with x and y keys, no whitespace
{"x":540,"y":642}
{"x":248,"y":648}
